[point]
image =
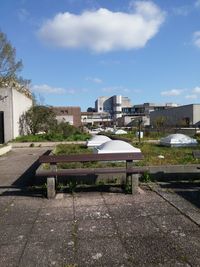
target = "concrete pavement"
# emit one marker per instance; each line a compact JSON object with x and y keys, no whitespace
{"x":93,"y":228}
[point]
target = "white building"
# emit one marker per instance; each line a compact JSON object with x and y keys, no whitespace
{"x":13,"y":104}
{"x":112,"y":105}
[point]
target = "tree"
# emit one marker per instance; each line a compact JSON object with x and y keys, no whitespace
{"x":160,"y":123}
{"x":9,"y":66}
{"x":38,"y":119}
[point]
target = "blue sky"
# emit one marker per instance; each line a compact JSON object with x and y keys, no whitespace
{"x":76,"y":50}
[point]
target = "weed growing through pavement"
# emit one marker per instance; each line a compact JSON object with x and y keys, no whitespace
{"x":146,"y":178}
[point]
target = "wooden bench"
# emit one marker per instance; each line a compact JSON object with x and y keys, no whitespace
{"x":132,"y":172}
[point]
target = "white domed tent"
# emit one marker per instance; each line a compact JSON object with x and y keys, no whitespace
{"x":116,"y":146}
{"x":178,"y":140}
{"x":97,"y":140}
{"x":120,"y":131}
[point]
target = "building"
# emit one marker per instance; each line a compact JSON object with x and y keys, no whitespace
{"x":181,"y":116}
{"x":131,"y":115}
{"x":14,"y":102}
{"x":146,"y":108}
{"x":113,"y":105}
{"x":72,"y":115}
{"x":96,"y":118}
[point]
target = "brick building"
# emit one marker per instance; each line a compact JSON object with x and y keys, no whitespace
{"x":72,"y":115}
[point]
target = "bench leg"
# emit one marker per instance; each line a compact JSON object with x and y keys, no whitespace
{"x":51,"y":187}
{"x":135,"y":183}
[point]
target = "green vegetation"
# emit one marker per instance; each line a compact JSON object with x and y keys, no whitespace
{"x":151,"y":152}
{"x":38,"y":119}
{"x":69,"y":149}
{"x":131,"y":136}
{"x":171,"y":155}
{"x":52,"y":137}
{"x":152,"y":156}
{"x":39,"y":124}
{"x":146,"y":177}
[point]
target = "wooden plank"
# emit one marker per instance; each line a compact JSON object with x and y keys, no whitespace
{"x":90,"y":157}
{"x":88,"y":171}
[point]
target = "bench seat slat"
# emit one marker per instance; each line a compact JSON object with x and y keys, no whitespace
{"x":90,"y":157}
{"x":88,"y":171}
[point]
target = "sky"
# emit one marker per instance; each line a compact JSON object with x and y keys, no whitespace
{"x":74,"y":51}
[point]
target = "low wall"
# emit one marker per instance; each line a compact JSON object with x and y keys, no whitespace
{"x":44,"y":144}
{"x":176,"y":172}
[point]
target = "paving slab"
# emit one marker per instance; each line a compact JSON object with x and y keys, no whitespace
{"x":92,"y":229}
{"x":101,"y":252}
{"x":14,"y":234}
{"x":138,"y":227}
{"x":156,"y":250}
{"x":10,"y":254}
{"x":189,"y":244}
{"x":55,"y":214}
{"x":16,"y":216}
{"x":92,"y":212}
{"x":42,"y":254}
{"x":51,"y":231}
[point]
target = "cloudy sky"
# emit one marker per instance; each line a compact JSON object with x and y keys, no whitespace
{"x":76,"y":50}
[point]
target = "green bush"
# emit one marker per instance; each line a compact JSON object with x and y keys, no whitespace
{"x":54,"y":136}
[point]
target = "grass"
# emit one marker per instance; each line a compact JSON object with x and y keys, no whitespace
{"x":71,"y":149}
{"x":172,"y":155}
{"x":151,"y":152}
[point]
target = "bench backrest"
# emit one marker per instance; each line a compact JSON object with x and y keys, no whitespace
{"x":90,"y":157}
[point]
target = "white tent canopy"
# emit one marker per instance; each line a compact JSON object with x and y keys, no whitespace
{"x":178,"y":140}
{"x":97,"y":140}
{"x":116,"y":146}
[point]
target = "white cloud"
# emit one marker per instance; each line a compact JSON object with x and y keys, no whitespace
{"x":196,"y":90}
{"x":192,"y":96}
{"x":44,"y":88}
{"x":196,"y":38}
{"x":192,"y":93}
{"x":94,"y":80}
{"x":173,"y":92}
{"x":103,"y":30}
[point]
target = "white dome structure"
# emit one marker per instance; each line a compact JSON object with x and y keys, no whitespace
{"x":178,"y":140}
{"x":97,"y":140}
{"x":116,"y":146}
{"x":120,"y":131}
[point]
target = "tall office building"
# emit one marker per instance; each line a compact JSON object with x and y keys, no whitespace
{"x":112,"y":105}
